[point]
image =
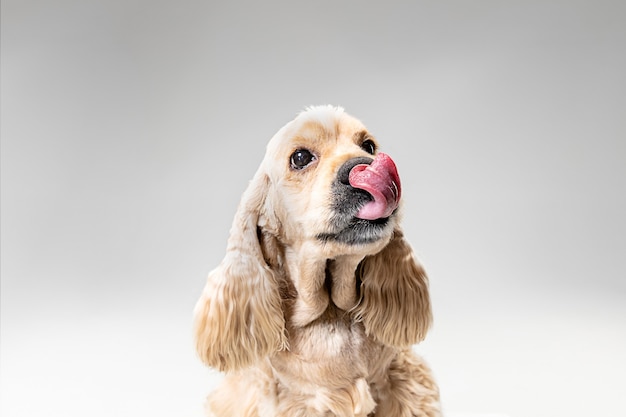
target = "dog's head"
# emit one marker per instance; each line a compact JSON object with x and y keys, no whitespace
{"x":329,"y":186}
{"x":321,"y":213}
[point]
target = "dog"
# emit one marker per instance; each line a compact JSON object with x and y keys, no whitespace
{"x":315,"y":306}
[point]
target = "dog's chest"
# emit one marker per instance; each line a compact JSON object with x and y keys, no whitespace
{"x":333,"y":347}
{"x":330,"y":340}
{"x":326,"y":369}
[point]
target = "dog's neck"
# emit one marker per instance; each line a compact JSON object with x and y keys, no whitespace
{"x":320,"y":282}
{"x":311,"y":282}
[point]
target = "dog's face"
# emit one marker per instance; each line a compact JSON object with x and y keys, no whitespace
{"x":330,"y":186}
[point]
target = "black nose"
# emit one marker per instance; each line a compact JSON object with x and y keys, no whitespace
{"x":343,"y":175}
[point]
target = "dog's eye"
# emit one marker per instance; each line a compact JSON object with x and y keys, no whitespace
{"x":301,"y":158}
{"x":369,"y":147}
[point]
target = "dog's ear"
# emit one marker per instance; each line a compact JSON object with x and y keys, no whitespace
{"x":395,"y":303}
{"x":238,"y":318}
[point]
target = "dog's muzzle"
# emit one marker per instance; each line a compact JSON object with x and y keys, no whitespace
{"x":365,"y":194}
{"x":379,"y":178}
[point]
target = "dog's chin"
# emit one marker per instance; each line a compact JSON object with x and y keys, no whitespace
{"x":355,"y":232}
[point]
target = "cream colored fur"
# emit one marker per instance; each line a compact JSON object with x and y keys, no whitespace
{"x":310,"y":328}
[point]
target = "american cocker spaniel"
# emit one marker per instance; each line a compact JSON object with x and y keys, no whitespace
{"x":316,"y":304}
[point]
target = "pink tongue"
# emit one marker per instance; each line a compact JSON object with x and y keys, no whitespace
{"x":381,"y":180}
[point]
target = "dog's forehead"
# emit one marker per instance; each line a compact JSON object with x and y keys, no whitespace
{"x":328,"y":118}
{"x":319,"y":126}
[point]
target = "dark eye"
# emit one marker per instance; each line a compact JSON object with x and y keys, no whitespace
{"x":301,"y":158}
{"x":369,"y":147}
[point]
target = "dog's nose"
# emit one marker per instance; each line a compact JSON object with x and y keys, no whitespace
{"x":343,"y":175}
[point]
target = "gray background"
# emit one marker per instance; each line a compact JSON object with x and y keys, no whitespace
{"x":130,"y":129}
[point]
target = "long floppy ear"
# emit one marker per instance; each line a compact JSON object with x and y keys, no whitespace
{"x":395,"y":303}
{"x":238,"y":318}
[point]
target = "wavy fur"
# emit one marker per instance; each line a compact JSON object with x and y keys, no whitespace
{"x":239,"y":318}
{"x":395,"y":306}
